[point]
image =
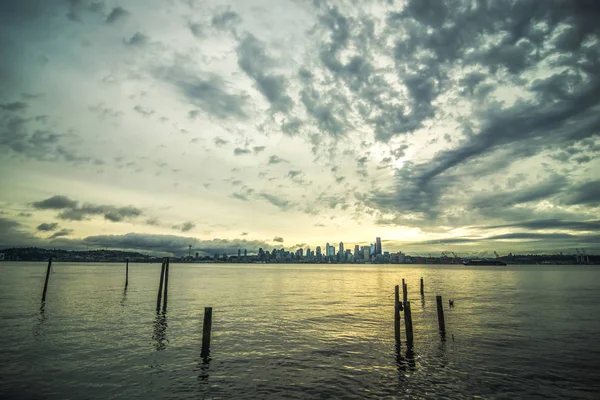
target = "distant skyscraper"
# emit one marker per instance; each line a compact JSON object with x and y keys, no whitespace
{"x":245,"y":253}
{"x":318,"y":251}
{"x":341,"y":250}
{"x":378,"y":249}
{"x":356,"y":251}
{"x":372,"y":249}
{"x":239,"y":253}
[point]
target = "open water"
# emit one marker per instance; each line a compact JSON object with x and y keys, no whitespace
{"x":298,"y":331}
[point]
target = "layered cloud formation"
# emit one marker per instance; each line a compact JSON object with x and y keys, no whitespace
{"x":438,"y":125}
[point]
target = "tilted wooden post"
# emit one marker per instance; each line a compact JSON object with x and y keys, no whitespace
{"x":166,"y":285}
{"x":126,"y":273}
{"x":408,"y":323}
{"x":440,"y":313}
{"x":160,"y":287}
{"x":207,"y":327}
{"x":422,"y":288}
{"x":404,"y":292}
{"x":397,"y":315}
{"x":47,"y":277}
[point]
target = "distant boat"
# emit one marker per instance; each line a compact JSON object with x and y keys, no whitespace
{"x":484,"y":262}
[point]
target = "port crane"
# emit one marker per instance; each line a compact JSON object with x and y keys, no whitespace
{"x":585,"y":259}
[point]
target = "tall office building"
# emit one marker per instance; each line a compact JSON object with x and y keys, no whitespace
{"x":341,"y":250}
{"x":378,"y":249}
{"x":330,"y":250}
{"x":318,"y":251}
{"x":372,"y":249}
{"x":356,"y":251}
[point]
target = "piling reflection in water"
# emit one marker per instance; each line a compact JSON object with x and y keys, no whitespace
{"x":407,"y":361}
{"x":38,"y":330}
{"x":124,"y":297}
{"x":160,"y":332}
{"x":204,"y":368}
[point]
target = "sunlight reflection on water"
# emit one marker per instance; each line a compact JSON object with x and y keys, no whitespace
{"x":291,"y":331}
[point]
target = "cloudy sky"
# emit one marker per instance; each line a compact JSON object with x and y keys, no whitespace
{"x":150,"y":125}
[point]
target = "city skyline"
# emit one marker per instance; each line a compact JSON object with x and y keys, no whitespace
{"x":438,"y":126}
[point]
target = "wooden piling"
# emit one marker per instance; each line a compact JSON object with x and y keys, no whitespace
{"x":422,"y":288}
{"x":166,"y":285}
{"x":404,"y":292}
{"x":126,"y":273}
{"x":440,"y":313}
{"x":160,"y":286}
{"x":47,"y":277}
{"x":408,"y":323}
{"x":206,"y":332}
{"x":397,"y":315}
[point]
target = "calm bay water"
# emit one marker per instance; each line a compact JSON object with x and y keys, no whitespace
{"x":298,"y":331}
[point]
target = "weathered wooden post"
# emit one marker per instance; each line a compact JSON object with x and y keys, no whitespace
{"x":47,"y":277}
{"x":408,"y":323}
{"x":160,"y":287}
{"x":404,"y":292}
{"x":166,"y":285}
{"x":397,"y":315}
{"x":440,"y":313}
{"x":422,"y":288}
{"x":126,"y":273}
{"x":205,"y":352}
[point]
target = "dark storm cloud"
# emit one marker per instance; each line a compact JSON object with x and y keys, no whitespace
{"x":47,"y":226}
{"x":171,"y":244}
{"x":539,"y":191}
{"x":13,"y":233}
{"x":276,"y":160}
{"x":185,"y":227}
{"x":14,"y":106}
{"x":587,"y":193}
{"x":55,"y":203}
{"x":294,"y":173}
{"x":238,"y":151}
{"x":30,"y":138}
{"x":196,"y":29}
{"x":110,"y":213}
{"x":549,"y":224}
{"x":501,"y":41}
{"x":254,"y":61}
{"x":146,"y":112}
{"x":220,"y":142}
{"x":277,"y":201}
{"x":116,"y":14}
{"x":240,"y":196}
{"x":206,"y":91}
{"x":61,"y":233}
{"x":71,"y":210}
{"x":546,"y":239}
{"x":226,"y":20}
{"x":137,"y":40}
